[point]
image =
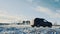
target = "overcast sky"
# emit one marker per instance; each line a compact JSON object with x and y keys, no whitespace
{"x":13,"y":10}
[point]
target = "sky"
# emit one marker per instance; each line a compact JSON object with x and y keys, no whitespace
{"x":16,"y":10}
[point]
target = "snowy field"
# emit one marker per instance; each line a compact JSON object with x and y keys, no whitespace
{"x":29,"y":30}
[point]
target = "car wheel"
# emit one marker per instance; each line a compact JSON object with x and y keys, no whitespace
{"x":44,"y":26}
{"x":32,"y":25}
{"x":38,"y":26}
{"x":50,"y":26}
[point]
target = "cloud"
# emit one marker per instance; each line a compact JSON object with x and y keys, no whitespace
{"x":58,"y":10}
{"x":29,"y":0}
{"x":43,"y":10}
{"x":48,"y":12}
{"x":5,"y":17}
{"x":9,"y":19}
{"x":56,"y":0}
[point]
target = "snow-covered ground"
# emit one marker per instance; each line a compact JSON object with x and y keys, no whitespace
{"x":29,"y":30}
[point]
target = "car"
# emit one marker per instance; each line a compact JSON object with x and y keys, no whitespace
{"x":41,"y":22}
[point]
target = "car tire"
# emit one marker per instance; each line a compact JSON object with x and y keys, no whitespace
{"x":37,"y":25}
{"x":50,"y":26}
{"x":32,"y":25}
{"x":44,"y":26}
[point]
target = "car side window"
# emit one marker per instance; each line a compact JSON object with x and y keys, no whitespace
{"x":45,"y":20}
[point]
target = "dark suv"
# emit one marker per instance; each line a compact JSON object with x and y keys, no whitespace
{"x":41,"y":22}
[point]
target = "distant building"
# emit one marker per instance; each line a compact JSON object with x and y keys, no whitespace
{"x":24,"y":23}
